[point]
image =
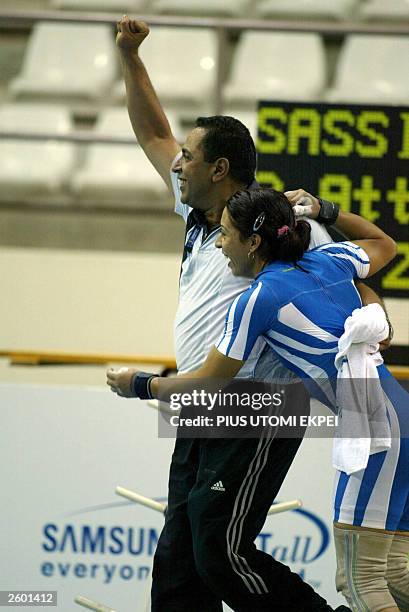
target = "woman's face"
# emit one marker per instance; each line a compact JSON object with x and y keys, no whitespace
{"x":235,"y":248}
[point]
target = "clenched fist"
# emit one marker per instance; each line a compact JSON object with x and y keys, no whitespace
{"x":131,"y":33}
{"x":120,"y":381}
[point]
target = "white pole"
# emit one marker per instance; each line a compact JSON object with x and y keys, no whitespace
{"x":141,"y":499}
{"x":92,"y":605}
{"x":284,"y":506}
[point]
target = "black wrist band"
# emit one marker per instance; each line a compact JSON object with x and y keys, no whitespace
{"x":141,"y":386}
{"x":329,"y":212}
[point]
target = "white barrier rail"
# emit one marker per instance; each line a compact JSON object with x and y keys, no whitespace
{"x":84,"y":137}
{"x":25,"y":19}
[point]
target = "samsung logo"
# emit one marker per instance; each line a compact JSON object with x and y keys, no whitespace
{"x":99,"y":539}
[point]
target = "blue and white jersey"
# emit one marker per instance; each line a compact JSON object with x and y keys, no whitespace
{"x":299,"y":311}
{"x":301,"y":316}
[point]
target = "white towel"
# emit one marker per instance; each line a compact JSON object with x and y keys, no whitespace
{"x":363,"y":425}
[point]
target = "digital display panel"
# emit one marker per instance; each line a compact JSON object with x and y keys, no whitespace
{"x":354,"y":155}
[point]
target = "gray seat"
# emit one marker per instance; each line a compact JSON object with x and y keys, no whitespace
{"x":118,"y":175}
{"x":372,"y":69}
{"x":67,"y":61}
{"x":385,"y":10}
{"x":34,"y":171}
{"x":281,"y":66}
{"x":307,"y":9}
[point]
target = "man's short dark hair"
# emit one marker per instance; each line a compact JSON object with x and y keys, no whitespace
{"x":228,"y":137}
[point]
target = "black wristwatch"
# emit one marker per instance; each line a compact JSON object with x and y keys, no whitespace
{"x":329,"y":212}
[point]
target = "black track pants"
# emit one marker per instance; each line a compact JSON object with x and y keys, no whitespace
{"x":206,"y":551}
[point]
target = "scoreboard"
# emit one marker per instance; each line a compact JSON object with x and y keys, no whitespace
{"x":354,"y":155}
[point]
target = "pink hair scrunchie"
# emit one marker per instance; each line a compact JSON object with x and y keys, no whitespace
{"x":283,"y":231}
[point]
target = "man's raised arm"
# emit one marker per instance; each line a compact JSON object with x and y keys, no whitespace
{"x":148,"y":120}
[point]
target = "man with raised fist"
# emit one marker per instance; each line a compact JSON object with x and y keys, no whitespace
{"x":206,"y":552}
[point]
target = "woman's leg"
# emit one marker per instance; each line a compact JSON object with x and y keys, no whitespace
{"x":370,"y":507}
{"x":397,"y":572}
{"x":362,"y":555}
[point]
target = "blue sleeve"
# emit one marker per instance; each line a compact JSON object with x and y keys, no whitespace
{"x":249,"y":316}
{"x":348,"y":256}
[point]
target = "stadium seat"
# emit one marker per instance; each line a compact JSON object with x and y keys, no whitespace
{"x":100,"y":5}
{"x":181,"y":63}
{"x":117,"y":174}
{"x":275,"y":66}
{"x":306,"y":9}
{"x":34,"y":171}
{"x":380,"y":10}
{"x":372,"y":69}
{"x":217,"y":8}
{"x":69,"y":61}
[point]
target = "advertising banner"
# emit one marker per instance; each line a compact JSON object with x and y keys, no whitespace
{"x":63,"y":452}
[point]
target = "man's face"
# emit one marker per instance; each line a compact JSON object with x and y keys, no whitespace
{"x":234,"y":247}
{"x":195,"y":175}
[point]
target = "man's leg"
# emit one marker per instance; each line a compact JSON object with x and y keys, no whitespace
{"x":176,"y":585}
{"x":227,"y":518}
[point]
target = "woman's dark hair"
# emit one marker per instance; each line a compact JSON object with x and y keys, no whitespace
{"x":268,"y":213}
